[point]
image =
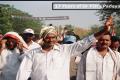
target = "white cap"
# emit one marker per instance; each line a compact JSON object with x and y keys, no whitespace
{"x":29,"y":30}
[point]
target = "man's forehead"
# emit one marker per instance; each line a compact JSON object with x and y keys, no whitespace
{"x":10,"y":38}
{"x":105,"y":37}
{"x":51,"y":35}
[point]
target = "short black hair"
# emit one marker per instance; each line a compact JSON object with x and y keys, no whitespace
{"x":115,"y":38}
{"x":108,"y":33}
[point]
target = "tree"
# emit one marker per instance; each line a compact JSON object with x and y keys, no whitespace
{"x":10,"y":23}
{"x":24,"y":20}
{"x":81,"y":32}
{"x":94,"y":28}
{"x":20,"y":24}
{"x":69,"y":27}
{"x":5,"y":18}
{"x":105,"y":13}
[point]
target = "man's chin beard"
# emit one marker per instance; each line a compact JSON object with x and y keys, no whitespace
{"x":47,"y":45}
{"x":11,"y":48}
{"x":102,"y":48}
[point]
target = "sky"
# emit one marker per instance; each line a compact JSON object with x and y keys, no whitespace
{"x":78,"y":18}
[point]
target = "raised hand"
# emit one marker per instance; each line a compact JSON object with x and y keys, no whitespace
{"x":2,"y":44}
{"x":20,"y":47}
{"x":107,"y":27}
{"x":108,"y":24}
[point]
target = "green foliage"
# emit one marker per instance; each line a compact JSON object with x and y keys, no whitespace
{"x":118,"y":30}
{"x":104,"y":14}
{"x":69,"y":27}
{"x":94,"y":28}
{"x":20,"y":24}
{"x":5,"y":17}
{"x":10,"y":23}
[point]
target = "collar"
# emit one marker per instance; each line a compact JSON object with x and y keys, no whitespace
{"x":111,"y":51}
{"x":55,"y":47}
{"x":30,"y":43}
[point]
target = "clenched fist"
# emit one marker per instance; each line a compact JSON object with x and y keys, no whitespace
{"x":108,"y":24}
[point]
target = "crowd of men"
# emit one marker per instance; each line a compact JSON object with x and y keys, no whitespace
{"x":23,"y":57}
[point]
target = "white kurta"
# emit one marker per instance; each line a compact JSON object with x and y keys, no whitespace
{"x":32,"y":46}
{"x":97,"y":67}
{"x":53,"y":65}
{"x":9,"y":64}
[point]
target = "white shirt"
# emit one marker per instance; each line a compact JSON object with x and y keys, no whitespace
{"x":9,"y":64}
{"x":53,"y":65}
{"x":105,"y":67}
{"x":97,"y":67}
{"x":32,"y":46}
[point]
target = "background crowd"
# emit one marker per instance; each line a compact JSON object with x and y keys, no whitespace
{"x":19,"y":58}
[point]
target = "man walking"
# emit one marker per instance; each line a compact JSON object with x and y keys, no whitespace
{"x":51,"y":61}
